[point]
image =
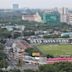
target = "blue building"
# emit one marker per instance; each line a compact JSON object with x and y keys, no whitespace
{"x":51,"y":18}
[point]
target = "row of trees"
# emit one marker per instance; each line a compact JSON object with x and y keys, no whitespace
{"x":57,"y":67}
{"x":3,"y":61}
{"x":55,"y":36}
{"x":39,"y":26}
{"x":4,"y":33}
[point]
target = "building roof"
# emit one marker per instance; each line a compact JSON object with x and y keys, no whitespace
{"x":67,"y":33}
{"x":9,"y":42}
{"x":22,"y":44}
{"x":59,"y":59}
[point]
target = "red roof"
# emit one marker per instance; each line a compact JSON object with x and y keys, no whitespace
{"x":23,"y":44}
{"x":54,"y":60}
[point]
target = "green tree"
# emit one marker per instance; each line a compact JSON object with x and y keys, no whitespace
{"x":15,"y":70}
{"x":50,"y":56}
{"x":57,"y":67}
{"x":4,"y":33}
{"x":31,"y":50}
{"x":3,"y":62}
{"x":29,"y":70}
{"x":1,"y":46}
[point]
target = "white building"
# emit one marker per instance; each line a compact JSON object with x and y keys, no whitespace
{"x":63,"y":14}
{"x":11,"y":27}
{"x":64,"y":18}
{"x":49,"y":41}
{"x":35,"y":17}
{"x":70,"y":18}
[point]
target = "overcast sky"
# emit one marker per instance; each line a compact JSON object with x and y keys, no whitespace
{"x":36,"y":3}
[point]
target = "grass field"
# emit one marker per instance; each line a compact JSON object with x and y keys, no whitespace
{"x":56,"y":50}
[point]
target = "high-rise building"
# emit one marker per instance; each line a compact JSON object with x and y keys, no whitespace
{"x":70,"y":18}
{"x":51,"y":18}
{"x":63,"y":14}
{"x":15,"y":6}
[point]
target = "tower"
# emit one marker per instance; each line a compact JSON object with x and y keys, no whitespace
{"x":15,"y":6}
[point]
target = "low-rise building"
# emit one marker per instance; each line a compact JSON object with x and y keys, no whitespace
{"x":19,"y":47}
{"x":15,"y":49}
{"x":50,"y":41}
{"x":67,"y":34}
{"x":12,"y":27}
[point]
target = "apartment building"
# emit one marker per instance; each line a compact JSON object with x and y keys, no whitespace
{"x":70,"y":18}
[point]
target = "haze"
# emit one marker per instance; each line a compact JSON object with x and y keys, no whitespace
{"x":36,"y":3}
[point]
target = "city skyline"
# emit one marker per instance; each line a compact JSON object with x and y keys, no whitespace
{"x":36,"y":3}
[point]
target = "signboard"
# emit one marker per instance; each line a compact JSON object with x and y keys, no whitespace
{"x":36,"y":54}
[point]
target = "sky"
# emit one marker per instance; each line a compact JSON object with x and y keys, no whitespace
{"x":36,"y":3}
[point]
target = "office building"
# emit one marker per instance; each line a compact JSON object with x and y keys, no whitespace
{"x":51,"y":18}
